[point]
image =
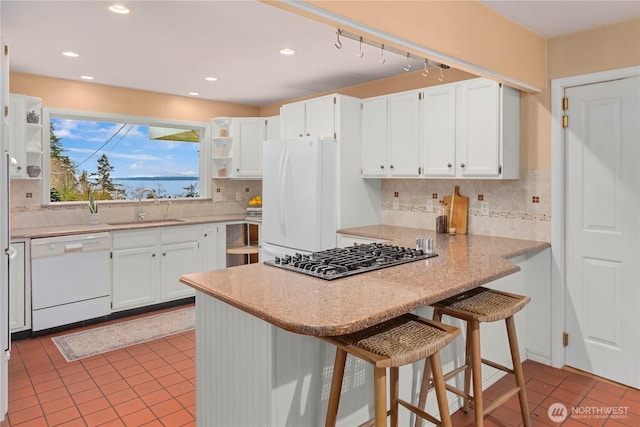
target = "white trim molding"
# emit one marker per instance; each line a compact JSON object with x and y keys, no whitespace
{"x":558,"y":185}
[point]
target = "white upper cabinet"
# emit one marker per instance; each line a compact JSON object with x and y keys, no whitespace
{"x":471,"y":130}
{"x":374,"y":137}
{"x":403,"y":134}
{"x":314,"y":117}
{"x":237,"y":145}
{"x":248,"y":134}
{"x":25,"y":136}
{"x":391,"y":135}
{"x":439,"y":131}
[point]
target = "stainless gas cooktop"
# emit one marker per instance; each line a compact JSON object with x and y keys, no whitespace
{"x":342,"y":262}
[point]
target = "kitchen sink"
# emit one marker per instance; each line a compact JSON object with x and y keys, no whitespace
{"x":143,"y":223}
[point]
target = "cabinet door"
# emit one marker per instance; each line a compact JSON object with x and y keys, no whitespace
{"x":25,"y":135}
{"x":177,"y":259}
{"x":213,"y":243}
{"x":477,"y":136}
{"x":18,"y":314}
{"x":273,"y":128}
{"x":404,"y":134}
{"x":292,"y":120}
{"x":439,"y":130}
{"x":374,"y":137}
{"x":320,"y":117}
{"x":15,"y":133}
{"x":135,"y":277}
{"x":248,"y":136}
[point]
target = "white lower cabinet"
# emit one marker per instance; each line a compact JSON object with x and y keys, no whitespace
{"x":135,"y":268}
{"x":19,"y":292}
{"x":179,"y":254}
{"x":147,"y":264}
{"x":213,"y":246}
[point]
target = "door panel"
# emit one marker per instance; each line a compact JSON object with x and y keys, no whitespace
{"x":603,"y":230}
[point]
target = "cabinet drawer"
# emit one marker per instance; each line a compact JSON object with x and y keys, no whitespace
{"x":179,"y":234}
{"x":133,"y":238}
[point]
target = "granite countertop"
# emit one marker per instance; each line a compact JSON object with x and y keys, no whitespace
{"x":310,"y":306}
{"x":67,"y":230}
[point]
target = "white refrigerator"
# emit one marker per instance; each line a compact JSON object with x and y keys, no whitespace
{"x":299,"y":196}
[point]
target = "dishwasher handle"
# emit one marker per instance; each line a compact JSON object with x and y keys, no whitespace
{"x":72,"y":247}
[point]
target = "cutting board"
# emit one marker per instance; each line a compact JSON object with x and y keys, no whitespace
{"x":457,"y":211}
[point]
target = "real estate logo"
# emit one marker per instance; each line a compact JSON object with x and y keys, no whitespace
{"x":557,"y":412}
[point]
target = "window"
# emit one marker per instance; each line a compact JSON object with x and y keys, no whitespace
{"x":116,"y":157}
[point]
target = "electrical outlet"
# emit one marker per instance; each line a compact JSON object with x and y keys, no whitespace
{"x":429,"y":205}
{"x":484,"y":208}
{"x":218,"y":197}
{"x":396,"y":203}
{"x":238,"y":197}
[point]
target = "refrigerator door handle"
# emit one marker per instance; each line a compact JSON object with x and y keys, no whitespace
{"x":280,"y":191}
{"x":283,"y":194}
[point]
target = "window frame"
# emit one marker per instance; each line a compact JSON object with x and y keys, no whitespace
{"x":204,"y":164}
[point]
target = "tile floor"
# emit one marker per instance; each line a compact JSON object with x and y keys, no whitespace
{"x":153,"y":384}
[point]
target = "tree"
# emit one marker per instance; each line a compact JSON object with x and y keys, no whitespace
{"x":62,"y":175}
{"x":104,"y":188}
{"x":191,"y":190}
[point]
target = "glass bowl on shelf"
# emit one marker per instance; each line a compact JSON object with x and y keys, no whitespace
{"x":222,"y":147}
{"x":223,"y":123}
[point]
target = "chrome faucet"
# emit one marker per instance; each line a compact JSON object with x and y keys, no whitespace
{"x":166,"y":211}
{"x":140,"y":194}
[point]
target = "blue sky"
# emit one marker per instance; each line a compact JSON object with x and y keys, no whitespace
{"x":130,"y":152}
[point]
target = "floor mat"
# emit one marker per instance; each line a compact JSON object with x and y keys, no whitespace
{"x":87,"y":343}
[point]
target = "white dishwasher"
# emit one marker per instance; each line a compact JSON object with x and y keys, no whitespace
{"x":70,"y":279}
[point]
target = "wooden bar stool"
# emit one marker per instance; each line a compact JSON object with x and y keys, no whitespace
{"x":476,"y":306}
{"x":391,"y":344}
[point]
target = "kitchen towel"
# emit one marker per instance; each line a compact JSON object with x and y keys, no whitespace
{"x":90,"y":342}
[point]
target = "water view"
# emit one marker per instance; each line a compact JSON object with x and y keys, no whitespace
{"x":164,"y":186}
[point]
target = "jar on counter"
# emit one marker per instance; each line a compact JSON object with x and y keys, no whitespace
{"x":442,"y":219}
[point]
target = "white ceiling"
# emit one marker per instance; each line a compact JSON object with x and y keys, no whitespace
{"x":171,"y":46}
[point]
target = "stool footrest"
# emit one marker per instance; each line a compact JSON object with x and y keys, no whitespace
{"x":499,"y":401}
{"x":419,"y":412}
{"x":497,"y":366}
{"x":459,"y":392}
{"x":454,"y":372}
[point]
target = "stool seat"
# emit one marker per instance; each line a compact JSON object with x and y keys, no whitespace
{"x":476,"y":306}
{"x":399,"y":341}
{"x":483,"y":305}
{"x":391,"y":344}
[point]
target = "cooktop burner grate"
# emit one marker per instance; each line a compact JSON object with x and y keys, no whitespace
{"x":342,"y":262}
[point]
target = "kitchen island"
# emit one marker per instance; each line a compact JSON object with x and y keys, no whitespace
{"x":258,"y":362}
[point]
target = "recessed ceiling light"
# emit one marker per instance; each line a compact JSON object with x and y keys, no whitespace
{"x":211,"y":79}
{"x":87,"y":77}
{"x":287,"y":51}
{"x":118,"y":8}
{"x":194,"y":93}
{"x":70,"y":54}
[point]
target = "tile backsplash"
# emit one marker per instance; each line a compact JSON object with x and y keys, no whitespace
{"x":516,"y":208}
{"x":27,"y":209}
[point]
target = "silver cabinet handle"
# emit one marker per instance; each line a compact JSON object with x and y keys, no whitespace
{"x":449,"y":165}
{"x":381,"y":166}
{"x":153,"y":255}
{"x":390,"y":166}
{"x":461,"y":165}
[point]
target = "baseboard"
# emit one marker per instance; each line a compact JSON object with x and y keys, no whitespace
{"x":113,"y":316}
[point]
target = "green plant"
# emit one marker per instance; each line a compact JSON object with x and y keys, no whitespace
{"x":93,"y":206}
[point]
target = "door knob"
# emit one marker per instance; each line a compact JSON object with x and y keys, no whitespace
{"x":449,"y":165}
{"x":461,"y":165}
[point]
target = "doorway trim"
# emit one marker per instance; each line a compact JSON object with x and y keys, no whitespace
{"x":558,"y":208}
